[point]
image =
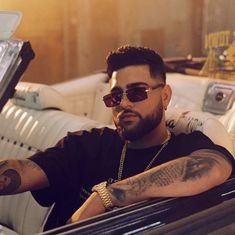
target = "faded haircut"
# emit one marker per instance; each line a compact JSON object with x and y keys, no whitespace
{"x":132,"y":55}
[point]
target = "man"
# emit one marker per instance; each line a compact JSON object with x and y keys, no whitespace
{"x":89,"y":172}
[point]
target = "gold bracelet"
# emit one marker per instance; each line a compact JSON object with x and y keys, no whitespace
{"x":101,"y":189}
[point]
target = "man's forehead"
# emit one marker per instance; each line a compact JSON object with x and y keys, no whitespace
{"x":131,"y":85}
{"x":131,"y":74}
{"x":130,"y":82}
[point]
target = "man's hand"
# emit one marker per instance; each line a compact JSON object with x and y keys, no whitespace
{"x":91,"y":207}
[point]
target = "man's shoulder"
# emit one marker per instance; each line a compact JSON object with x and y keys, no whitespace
{"x":192,"y":136}
{"x":186,"y":143}
{"x":94,"y":137}
{"x":197,"y":140}
{"x":101,"y":131}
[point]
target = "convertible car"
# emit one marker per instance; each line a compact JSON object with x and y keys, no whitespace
{"x":35,"y":116}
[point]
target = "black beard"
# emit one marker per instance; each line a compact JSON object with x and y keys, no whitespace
{"x":144,"y":126}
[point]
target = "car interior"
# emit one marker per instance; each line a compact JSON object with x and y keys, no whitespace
{"x":34,"y":116}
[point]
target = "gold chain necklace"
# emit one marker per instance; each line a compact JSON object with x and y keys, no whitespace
{"x":123,"y":156}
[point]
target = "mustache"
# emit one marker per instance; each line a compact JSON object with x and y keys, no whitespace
{"x":129,"y":111}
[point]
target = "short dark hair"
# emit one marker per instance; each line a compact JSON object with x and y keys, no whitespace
{"x":133,"y":55}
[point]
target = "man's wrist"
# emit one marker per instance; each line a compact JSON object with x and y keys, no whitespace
{"x":104,"y":194}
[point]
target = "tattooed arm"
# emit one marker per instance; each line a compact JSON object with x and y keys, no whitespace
{"x":20,"y":175}
{"x":185,"y":176}
{"x":190,"y":175}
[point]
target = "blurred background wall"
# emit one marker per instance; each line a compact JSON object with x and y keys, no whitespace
{"x":71,"y":38}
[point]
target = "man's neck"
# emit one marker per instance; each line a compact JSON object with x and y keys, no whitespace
{"x":156,"y":137}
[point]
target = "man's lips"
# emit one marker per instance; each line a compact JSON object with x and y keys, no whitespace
{"x":128,"y":115}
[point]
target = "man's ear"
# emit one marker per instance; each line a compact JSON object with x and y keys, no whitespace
{"x":166,"y":96}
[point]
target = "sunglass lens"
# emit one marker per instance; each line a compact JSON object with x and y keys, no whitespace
{"x":137,"y":94}
{"x":112,"y":100}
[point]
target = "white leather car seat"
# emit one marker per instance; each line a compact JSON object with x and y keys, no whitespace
{"x":30,"y":122}
{"x":189,"y":121}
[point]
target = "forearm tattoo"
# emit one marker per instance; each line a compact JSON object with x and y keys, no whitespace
{"x":119,"y":194}
{"x":190,"y":168}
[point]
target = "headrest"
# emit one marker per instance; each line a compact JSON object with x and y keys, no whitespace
{"x":189,"y":121}
{"x":39,"y":97}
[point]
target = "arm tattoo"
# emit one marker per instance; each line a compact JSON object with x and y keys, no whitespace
{"x":10,"y":176}
{"x":10,"y":179}
{"x":197,"y":167}
{"x":2,"y":164}
{"x":119,"y":194}
{"x":187,"y":169}
{"x":25,"y":164}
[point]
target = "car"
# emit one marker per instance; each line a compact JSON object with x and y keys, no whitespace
{"x":54,"y":110}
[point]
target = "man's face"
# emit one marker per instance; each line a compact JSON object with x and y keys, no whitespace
{"x":136,"y":119}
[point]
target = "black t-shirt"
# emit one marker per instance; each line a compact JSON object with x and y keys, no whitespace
{"x":85,"y":158}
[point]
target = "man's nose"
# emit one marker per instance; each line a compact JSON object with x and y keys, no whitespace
{"x":125,"y":102}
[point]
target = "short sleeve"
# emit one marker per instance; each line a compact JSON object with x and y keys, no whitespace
{"x":64,"y":164}
{"x":187,"y":143}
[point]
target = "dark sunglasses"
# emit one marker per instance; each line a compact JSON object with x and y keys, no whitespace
{"x":135,"y":94}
